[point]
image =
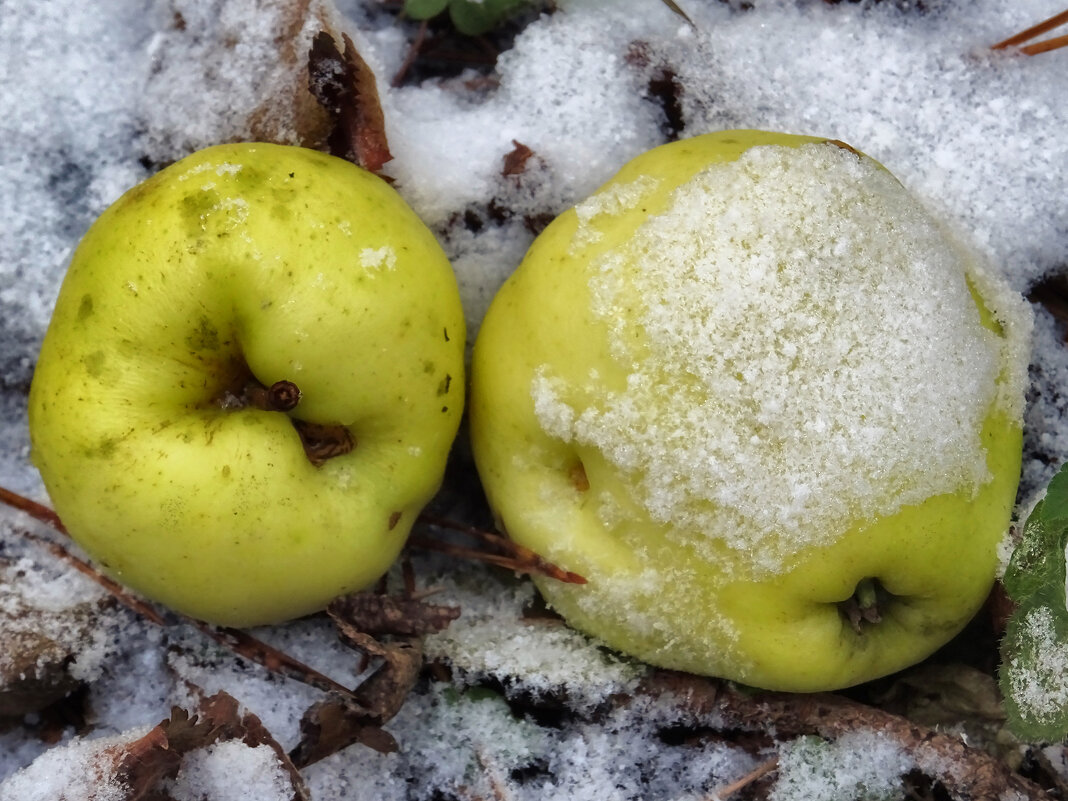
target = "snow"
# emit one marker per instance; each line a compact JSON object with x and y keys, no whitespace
{"x":1039,"y":688}
{"x":860,"y":764}
{"x":823,"y":385}
{"x":232,"y":770}
{"x":546,"y":656}
{"x":95,"y":96}
{"x":81,"y":770}
{"x":58,"y":607}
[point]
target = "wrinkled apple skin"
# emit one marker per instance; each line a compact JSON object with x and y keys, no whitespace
{"x":655,"y":595}
{"x":305,"y":268}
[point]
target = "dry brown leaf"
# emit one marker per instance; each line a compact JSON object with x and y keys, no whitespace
{"x":515,"y":160}
{"x":384,"y":693}
{"x":141,"y":765}
{"x":144,"y":763}
{"x":966,"y":772}
{"x":341,"y":720}
{"x":38,"y":648}
{"x":300,"y":111}
{"x":345,"y":86}
{"x":332,"y":725}
{"x":374,"y":613}
{"x":222,"y":711}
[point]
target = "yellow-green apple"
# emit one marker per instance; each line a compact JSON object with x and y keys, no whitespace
{"x":765,"y":403}
{"x":250,"y":383}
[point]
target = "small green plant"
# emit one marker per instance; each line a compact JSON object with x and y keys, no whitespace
{"x":1034,"y":653}
{"x":471,"y":17}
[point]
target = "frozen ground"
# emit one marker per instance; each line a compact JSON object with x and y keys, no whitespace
{"x":93,"y":95}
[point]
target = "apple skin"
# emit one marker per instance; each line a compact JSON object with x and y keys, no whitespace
{"x":685,"y":601}
{"x":287,"y":264}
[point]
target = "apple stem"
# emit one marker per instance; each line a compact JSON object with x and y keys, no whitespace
{"x":320,"y":441}
{"x":281,"y":396}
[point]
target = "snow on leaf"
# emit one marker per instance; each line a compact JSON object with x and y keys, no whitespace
{"x":1034,"y":652}
{"x":859,"y":766}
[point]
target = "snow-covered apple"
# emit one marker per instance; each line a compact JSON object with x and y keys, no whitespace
{"x":250,"y":383}
{"x":765,"y":403}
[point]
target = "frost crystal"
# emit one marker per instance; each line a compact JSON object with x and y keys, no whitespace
{"x":859,"y":766}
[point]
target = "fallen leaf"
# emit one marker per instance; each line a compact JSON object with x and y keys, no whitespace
{"x":142,"y":764}
{"x":374,"y":613}
{"x":515,"y":161}
{"x":345,"y":86}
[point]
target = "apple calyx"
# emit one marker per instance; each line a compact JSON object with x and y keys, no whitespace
{"x":864,"y":607}
{"x":321,"y":441}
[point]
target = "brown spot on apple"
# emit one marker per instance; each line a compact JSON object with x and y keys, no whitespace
{"x":85,"y":308}
{"x":577,"y":476}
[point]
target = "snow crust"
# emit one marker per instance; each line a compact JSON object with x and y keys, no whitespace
{"x":96,"y":95}
{"x":808,"y":336}
{"x":233,"y":771}
{"x":548,"y":657}
{"x":82,"y":770}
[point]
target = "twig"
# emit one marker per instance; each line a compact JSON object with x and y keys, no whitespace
{"x":412,"y":54}
{"x":515,"y":556}
{"x":116,"y":590}
{"x":677,"y":9}
{"x":1053,"y":43}
{"x":497,"y":785}
{"x":244,"y":644}
{"x":1037,"y":30}
{"x":239,"y":642}
{"x":762,"y":769}
{"x":965,"y":772}
{"x":35,"y":510}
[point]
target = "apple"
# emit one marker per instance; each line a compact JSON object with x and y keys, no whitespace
{"x":765,"y":404}
{"x":250,"y":383}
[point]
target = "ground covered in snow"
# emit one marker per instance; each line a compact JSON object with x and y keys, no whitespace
{"x":96,"y":96}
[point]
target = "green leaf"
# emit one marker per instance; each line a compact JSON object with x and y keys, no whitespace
{"x":1034,"y":651}
{"x":475,"y":18}
{"x":1055,"y":504}
{"x":1034,"y":674}
{"x":424,"y":9}
{"x":1036,"y":572}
